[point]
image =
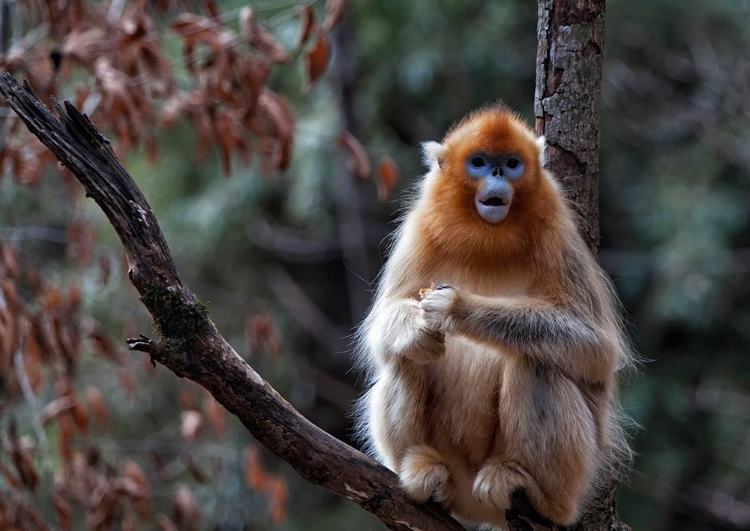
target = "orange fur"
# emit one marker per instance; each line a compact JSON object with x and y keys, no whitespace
{"x":505,"y":379}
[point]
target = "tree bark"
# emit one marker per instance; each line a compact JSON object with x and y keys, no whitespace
{"x":191,"y":346}
{"x":570,"y":37}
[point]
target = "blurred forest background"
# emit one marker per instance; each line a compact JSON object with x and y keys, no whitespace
{"x":287,"y":259}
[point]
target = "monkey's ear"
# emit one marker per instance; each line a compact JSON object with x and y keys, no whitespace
{"x":433,"y":153}
{"x":541,"y":143}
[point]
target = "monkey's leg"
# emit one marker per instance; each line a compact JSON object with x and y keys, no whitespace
{"x":398,"y":420}
{"x":547,"y":445}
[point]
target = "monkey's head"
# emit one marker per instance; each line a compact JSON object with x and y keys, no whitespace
{"x":487,"y":184}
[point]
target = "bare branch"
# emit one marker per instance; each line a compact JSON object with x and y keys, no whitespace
{"x":190,"y":345}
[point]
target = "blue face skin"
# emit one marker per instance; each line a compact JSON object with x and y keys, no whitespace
{"x":494,"y":174}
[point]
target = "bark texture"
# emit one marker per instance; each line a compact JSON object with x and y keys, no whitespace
{"x":570,"y":37}
{"x":189,"y":343}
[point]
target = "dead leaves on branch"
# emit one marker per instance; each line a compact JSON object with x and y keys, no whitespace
{"x":121,"y":48}
{"x":225,"y":98}
{"x":52,"y":457}
{"x":386,"y":175}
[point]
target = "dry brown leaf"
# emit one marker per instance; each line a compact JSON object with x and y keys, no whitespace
{"x":187,"y":398}
{"x":22,"y":460}
{"x":228,"y":135}
{"x":126,"y":487}
{"x":196,"y":471}
{"x":74,"y":300}
{"x":212,"y":8}
{"x":386,"y":177}
{"x":316,"y":60}
{"x":174,"y":108}
{"x":216,"y":415}
{"x":260,"y":329}
{"x":277,"y":145}
{"x":359,"y":161}
{"x":194,"y":28}
{"x":103,"y":344}
{"x":142,"y":498}
{"x":129,"y":522}
{"x":80,"y":416}
{"x":127,"y":380}
{"x":191,"y":422}
{"x":10,"y":294}
{"x":9,"y":478}
{"x":96,"y":403}
{"x":160,"y":467}
{"x":9,"y":259}
{"x":247,"y":23}
{"x":32,"y":360}
{"x":308,"y":26}
{"x":65,"y":439}
{"x":53,"y":299}
{"x":261,"y":38}
{"x":165,"y":524}
{"x":256,"y":476}
{"x":55,"y":408}
{"x":83,"y":45}
{"x":271,"y":48}
{"x":334,"y":13}
{"x":278,"y":493}
{"x":185,"y":509}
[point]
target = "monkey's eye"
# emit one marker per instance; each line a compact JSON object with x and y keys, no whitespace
{"x":513,"y":167}
{"x":477,"y":165}
{"x":477,"y":162}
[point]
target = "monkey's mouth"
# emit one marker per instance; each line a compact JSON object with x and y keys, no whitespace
{"x":495,"y":202}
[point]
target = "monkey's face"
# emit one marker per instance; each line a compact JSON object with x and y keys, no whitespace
{"x":490,"y":162}
{"x":486,"y":193}
{"x":494,"y":175}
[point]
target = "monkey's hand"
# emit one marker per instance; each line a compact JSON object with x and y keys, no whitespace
{"x":399,"y":331}
{"x":438,"y":308}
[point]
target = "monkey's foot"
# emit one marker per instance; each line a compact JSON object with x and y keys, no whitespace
{"x":497,"y":480}
{"x":423,"y":474}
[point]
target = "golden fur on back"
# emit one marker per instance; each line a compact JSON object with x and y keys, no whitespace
{"x":506,"y":377}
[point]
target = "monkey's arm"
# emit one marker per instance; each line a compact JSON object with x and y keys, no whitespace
{"x":550,"y":335}
{"x":395,"y":329}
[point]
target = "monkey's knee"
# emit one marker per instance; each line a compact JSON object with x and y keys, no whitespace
{"x":423,"y":474}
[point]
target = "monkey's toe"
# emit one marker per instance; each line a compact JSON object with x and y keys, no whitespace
{"x":423,"y":474}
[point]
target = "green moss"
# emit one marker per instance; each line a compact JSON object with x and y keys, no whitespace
{"x":175,"y":319}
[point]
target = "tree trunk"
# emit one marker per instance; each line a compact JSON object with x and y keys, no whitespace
{"x":570,"y":35}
